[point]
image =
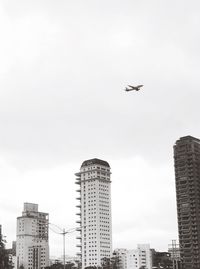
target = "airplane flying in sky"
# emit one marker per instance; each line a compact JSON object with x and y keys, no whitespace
{"x":133,"y":88}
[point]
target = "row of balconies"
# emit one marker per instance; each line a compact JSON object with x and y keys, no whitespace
{"x":79,"y":229}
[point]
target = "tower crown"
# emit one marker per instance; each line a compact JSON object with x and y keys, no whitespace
{"x":95,"y":161}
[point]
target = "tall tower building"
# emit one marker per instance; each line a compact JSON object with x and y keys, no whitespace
{"x":0,"y":233}
{"x":95,"y":212}
{"x":32,"y":246}
{"x":187,"y":175}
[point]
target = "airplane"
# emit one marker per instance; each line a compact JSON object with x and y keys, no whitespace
{"x":133,"y":88}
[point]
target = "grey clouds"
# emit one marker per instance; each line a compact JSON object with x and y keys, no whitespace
{"x":63,"y":68}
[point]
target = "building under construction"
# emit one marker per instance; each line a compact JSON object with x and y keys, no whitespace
{"x":187,"y":175}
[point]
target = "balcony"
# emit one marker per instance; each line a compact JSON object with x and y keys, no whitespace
{"x":78,"y":214}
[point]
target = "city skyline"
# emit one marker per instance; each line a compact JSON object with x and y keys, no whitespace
{"x":133,"y":224}
{"x":63,"y":70}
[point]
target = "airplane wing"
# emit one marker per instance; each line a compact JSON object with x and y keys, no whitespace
{"x":131,"y":86}
{"x":135,"y":87}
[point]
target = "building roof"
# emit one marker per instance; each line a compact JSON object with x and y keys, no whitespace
{"x":187,"y":139}
{"x":95,"y":161}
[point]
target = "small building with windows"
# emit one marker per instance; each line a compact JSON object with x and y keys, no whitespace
{"x":141,"y":257}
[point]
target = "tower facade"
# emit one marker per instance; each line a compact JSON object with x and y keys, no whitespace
{"x":95,"y":212}
{"x":0,"y":234}
{"x":187,"y":175}
{"x":32,"y":246}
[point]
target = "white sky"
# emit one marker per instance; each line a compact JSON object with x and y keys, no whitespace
{"x":63,"y":68}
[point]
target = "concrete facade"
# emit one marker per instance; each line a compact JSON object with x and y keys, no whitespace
{"x":32,"y":246}
{"x":135,"y":258}
{"x":187,"y":175}
{"x":95,"y":212}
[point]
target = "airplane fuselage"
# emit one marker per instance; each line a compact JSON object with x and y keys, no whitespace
{"x":132,"y":88}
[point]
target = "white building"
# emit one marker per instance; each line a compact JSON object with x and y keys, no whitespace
{"x":121,"y":254}
{"x":32,"y":247}
{"x":145,"y":255}
{"x":95,"y":212}
{"x":135,"y":258}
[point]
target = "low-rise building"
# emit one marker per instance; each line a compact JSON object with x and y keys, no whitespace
{"x":140,"y":257}
{"x":161,"y":260}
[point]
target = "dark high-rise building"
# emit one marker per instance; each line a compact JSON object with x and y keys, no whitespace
{"x":187,"y":174}
{"x":0,"y":234}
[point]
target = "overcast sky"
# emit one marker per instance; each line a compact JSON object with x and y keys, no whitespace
{"x":63,"y":68}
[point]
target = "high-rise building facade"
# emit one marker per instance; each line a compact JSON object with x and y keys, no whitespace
{"x":187,"y":175}
{"x":95,"y":212}
{"x":32,"y":246}
{"x":0,"y":233}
